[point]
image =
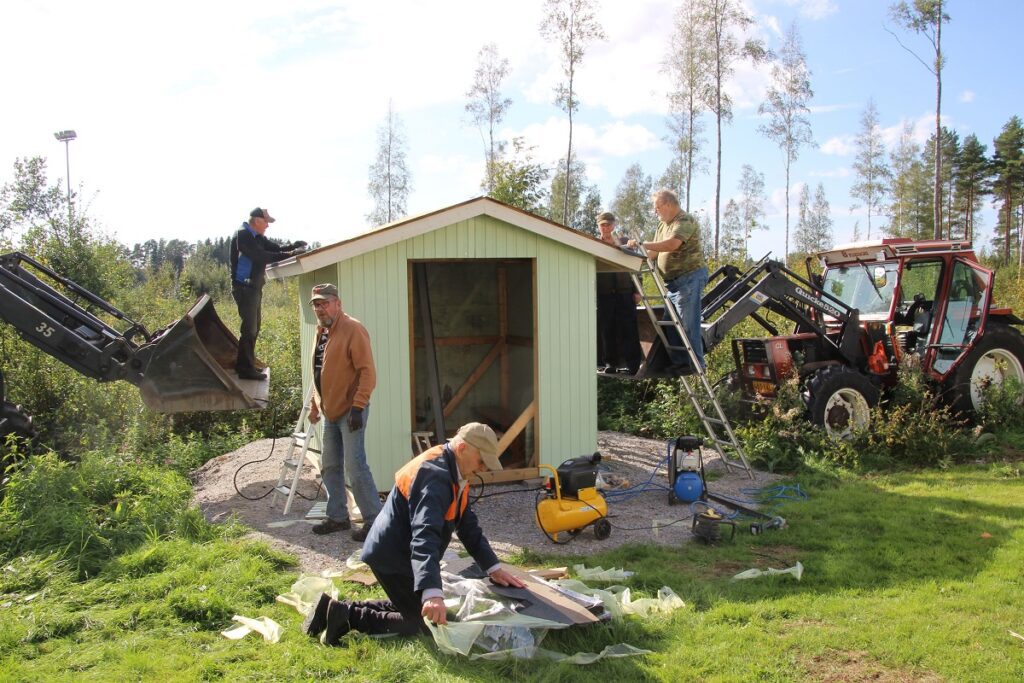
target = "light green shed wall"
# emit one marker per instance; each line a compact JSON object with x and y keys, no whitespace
{"x":374,"y":288}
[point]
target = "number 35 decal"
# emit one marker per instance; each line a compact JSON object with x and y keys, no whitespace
{"x":44,"y":329}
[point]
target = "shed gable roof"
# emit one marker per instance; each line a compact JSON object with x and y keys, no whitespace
{"x":613,"y":257}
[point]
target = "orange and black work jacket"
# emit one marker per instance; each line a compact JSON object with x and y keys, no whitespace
{"x":415,"y":527}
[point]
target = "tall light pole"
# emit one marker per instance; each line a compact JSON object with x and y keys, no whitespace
{"x":66,"y":136}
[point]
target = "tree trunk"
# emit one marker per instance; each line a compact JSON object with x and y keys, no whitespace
{"x":938,"y":124}
{"x":785,"y":254}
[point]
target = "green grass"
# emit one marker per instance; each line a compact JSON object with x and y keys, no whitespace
{"x":899,"y":584}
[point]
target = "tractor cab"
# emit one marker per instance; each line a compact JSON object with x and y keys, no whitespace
{"x":929,"y":299}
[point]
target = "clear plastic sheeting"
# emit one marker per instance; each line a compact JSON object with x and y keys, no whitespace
{"x":305,"y":592}
{"x":619,"y":600}
{"x":620,"y":650}
{"x":484,"y":626}
{"x":355,"y":561}
{"x":265,"y":626}
{"x":583,"y":573}
{"x":796,"y":571}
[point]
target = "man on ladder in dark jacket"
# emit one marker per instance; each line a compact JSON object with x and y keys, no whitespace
{"x":429,"y":502}
{"x":251,"y":251}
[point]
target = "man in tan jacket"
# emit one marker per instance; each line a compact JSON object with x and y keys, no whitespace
{"x":343,"y":379}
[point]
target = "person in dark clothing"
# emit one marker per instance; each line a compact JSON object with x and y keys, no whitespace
{"x":251,"y":251}
{"x":618,"y":338}
{"x":429,"y":502}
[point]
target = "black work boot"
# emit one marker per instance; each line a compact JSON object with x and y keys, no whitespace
{"x":316,"y":620}
{"x":337,"y":621}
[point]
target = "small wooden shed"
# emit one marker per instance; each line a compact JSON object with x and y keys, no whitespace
{"x":476,"y":312}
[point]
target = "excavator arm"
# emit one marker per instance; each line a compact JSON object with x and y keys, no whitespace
{"x":735,"y":296}
{"x":183,"y":367}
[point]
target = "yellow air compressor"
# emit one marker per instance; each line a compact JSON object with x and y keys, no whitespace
{"x":572,"y":501}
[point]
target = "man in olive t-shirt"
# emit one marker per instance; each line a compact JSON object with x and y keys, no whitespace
{"x":680,"y":262}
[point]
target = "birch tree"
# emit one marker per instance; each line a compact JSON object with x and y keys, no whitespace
{"x":873,"y":177}
{"x":390,"y":180}
{"x":785,"y":104}
{"x":487,"y":106}
{"x":684,"y":65}
{"x":722,"y":22}
{"x":574,"y":26}
{"x":751,"y":205}
{"x":925,"y":17}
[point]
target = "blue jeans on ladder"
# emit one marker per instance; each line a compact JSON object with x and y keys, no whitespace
{"x":685,"y":292}
{"x":344,"y":450}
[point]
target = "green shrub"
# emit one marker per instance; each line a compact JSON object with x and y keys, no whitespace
{"x":90,"y":512}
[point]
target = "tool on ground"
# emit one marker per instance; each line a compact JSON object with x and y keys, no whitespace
{"x":707,"y":525}
{"x":571,"y":500}
{"x":688,"y":484}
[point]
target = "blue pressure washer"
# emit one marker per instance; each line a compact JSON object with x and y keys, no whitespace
{"x":686,"y":471}
{"x":688,"y":484}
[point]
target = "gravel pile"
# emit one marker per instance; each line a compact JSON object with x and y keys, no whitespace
{"x":507,"y":519}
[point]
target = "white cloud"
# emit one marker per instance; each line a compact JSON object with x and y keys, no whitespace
{"x":967,"y":96}
{"x":839,"y":146}
{"x":814,"y":10}
{"x":615,"y":139}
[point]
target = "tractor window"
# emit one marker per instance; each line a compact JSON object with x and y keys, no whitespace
{"x":920,"y":277}
{"x":967,"y":290}
{"x":866,"y":286}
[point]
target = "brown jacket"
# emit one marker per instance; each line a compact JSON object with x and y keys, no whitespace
{"x":348,"y":376}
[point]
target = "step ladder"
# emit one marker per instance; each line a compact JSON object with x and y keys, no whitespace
{"x":697,"y":387}
{"x":306,"y":446}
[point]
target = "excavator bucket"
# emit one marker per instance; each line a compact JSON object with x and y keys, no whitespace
{"x":190,"y":367}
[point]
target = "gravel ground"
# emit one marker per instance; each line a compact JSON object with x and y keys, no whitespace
{"x":507,"y":519}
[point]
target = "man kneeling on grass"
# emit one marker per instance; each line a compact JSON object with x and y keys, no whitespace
{"x":428,"y":502}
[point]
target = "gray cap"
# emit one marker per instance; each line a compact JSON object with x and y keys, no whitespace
{"x":324,"y":291}
{"x":482,"y":437}
{"x":606,"y":217}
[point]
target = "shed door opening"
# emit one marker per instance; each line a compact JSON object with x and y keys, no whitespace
{"x":473,"y":352}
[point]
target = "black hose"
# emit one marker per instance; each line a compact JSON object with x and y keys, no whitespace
{"x":273,"y":445}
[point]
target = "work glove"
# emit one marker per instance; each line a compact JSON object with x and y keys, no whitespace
{"x":355,"y":419}
{"x":299,"y":244}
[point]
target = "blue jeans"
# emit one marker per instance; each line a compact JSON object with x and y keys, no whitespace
{"x":685,"y":292}
{"x":343,"y":449}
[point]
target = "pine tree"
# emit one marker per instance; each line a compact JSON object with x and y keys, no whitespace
{"x":1008,"y":180}
{"x":971,"y":180}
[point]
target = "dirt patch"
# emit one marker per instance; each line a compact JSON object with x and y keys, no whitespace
{"x":854,"y":666}
{"x":507,"y":519}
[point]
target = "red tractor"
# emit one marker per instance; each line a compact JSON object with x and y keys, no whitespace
{"x":875,"y":304}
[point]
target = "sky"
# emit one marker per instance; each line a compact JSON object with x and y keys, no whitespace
{"x":190,"y":114}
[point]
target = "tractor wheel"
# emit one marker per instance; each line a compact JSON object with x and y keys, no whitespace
{"x":602,"y":529}
{"x":998,"y":356}
{"x":840,"y":400}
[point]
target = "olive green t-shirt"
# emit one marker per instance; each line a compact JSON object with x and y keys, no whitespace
{"x":689,"y":256}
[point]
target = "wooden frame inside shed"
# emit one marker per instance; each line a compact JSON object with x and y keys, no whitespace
{"x":473,"y":354}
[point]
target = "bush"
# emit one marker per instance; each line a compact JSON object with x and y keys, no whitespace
{"x":90,"y":512}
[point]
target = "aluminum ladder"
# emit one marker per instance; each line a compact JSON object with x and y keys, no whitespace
{"x":720,"y":434}
{"x":306,"y":446}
